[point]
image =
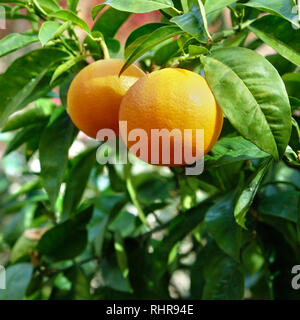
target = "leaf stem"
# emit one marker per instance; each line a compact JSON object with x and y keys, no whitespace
{"x":67,"y":46}
{"x":104,"y":48}
{"x":205,"y":24}
{"x":226,"y":33}
{"x":133,"y":194}
{"x":177,"y":11}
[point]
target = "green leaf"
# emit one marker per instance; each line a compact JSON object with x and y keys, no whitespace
{"x":77,"y":181}
{"x":252,"y":96}
{"x":192,"y":23}
{"x":20,"y":2}
{"x":185,"y":5}
{"x":116,"y":182}
{"x":223,"y":227}
{"x":49,"y":30}
{"x":54,"y":145}
{"x":67,"y":15}
{"x":122,"y":257}
{"x":12,"y":14}
{"x":281,"y":8}
{"x":156,"y":37}
{"x":166,"y":52}
{"x":110,"y":22}
{"x":18,"y":277}
{"x":39,"y":113}
{"x":284,"y":204}
{"x":238,"y":40}
{"x":281,"y":64}
{"x":25,"y":80}
{"x":23,"y":136}
{"x":145,"y":29}
{"x":113,"y":276}
{"x":16,"y":41}
{"x":292,"y":82}
{"x":125,"y":223}
{"x":214,"y":5}
{"x":95,"y":10}
{"x":72,"y":5}
{"x":216,"y":276}
{"x":295,"y":103}
{"x":48,"y":5}
{"x":67,"y":66}
{"x":18,"y":224}
{"x":64,"y":88}
{"x":196,"y":50}
{"x":139,"y":6}
{"x":22,"y":248}
{"x":25,"y":188}
{"x":68,"y":239}
{"x":225,"y":281}
{"x":230,"y":150}
{"x":178,"y":228}
{"x":280,"y":35}
{"x":248,"y":193}
{"x":106,"y":208}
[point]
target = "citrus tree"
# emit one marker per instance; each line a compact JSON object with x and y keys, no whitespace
{"x":74,"y":229}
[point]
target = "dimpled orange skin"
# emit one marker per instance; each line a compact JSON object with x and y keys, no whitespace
{"x":96,"y":92}
{"x":172,"y":98}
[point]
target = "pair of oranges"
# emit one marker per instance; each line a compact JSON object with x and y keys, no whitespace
{"x":170,"y":98}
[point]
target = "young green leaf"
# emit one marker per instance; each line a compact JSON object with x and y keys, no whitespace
{"x":252,"y":96}
{"x":67,"y":66}
{"x":16,"y":41}
{"x":248,"y":193}
{"x":156,"y":37}
{"x":25,"y":80}
{"x":48,"y":29}
{"x":48,"y":6}
{"x":139,"y":6}
{"x":54,"y":145}
{"x":280,"y":35}
{"x":197,"y":50}
{"x":67,"y":15}
{"x":51,"y":30}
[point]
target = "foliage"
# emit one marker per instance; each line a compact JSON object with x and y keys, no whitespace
{"x":74,"y":229}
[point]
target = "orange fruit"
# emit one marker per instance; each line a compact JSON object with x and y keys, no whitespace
{"x":96,"y":92}
{"x":170,"y":99}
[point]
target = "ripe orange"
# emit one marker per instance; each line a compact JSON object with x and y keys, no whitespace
{"x":96,"y":92}
{"x":170,"y":99}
